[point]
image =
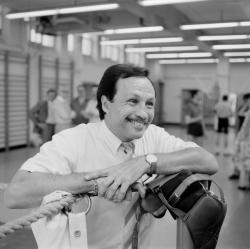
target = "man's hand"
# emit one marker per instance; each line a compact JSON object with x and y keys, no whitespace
{"x":119,"y":179}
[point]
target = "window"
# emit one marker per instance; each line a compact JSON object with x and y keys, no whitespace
{"x":70,"y":43}
{"x":136,"y":59}
{"x":48,"y":40}
{"x":112,"y":52}
{"x":87,"y":44}
{"x":45,"y":40}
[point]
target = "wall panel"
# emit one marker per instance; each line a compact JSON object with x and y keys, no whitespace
{"x":17,"y":100}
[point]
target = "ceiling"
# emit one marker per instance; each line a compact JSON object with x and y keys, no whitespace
{"x":131,"y":14}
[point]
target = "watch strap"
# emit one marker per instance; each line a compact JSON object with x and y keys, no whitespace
{"x":152,"y":169}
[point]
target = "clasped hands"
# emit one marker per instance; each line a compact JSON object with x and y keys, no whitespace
{"x":117,"y":182}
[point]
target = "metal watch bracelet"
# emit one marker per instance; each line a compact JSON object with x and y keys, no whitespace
{"x":94,"y":191}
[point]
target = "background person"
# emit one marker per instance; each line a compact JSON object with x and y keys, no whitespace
{"x":43,"y":117}
{"x":91,"y":158}
{"x":91,"y":111}
{"x":194,"y":117}
{"x":63,"y":112}
{"x":78,"y":105}
{"x":223,"y":112}
{"x":242,"y":110}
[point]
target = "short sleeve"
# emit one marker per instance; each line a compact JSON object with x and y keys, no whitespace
{"x":57,"y":156}
{"x":166,"y":143}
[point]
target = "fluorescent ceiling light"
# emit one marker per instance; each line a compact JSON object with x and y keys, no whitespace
{"x":161,"y":40}
{"x":191,"y":61}
{"x":209,"y":25}
{"x":179,"y":48}
{"x":239,"y":60}
{"x":245,"y":23}
{"x":49,"y":12}
{"x":120,"y":42}
{"x":188,"y":61}
{"x":134,"y":30}
{"x":139,"y":41}
{"x":231,"y":46}
{"x":222,"y":37}
{"x":214,"y":25}
{"x":160,"y":49}
{"x":160,"y":56}
{"x":178,"y":55}
{"x":163,"y":2}
{"x":232,"y":54}
{"x":143,"y":50}
{"x":182,"y":61}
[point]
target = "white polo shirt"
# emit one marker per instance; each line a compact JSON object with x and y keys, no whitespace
{"x":91,"y":147}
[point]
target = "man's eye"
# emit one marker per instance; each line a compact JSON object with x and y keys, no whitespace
{"x":133,"y":101}
{"x":150,"y":103}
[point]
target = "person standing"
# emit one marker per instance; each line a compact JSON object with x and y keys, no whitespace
{"x":223,"y":112}
{"x":194,"y":117}
{"x":91,"y":111}
{"x":63,"y":112}
{"x":78,"y":105}
{"x":43,"y":116}
{"x":242,"y":110}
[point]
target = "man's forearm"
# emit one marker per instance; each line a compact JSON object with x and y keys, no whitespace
{"x":27,"y":189}
{"x":196,"y":159}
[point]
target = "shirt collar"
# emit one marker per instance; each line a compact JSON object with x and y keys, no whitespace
{"x":113,"y":142}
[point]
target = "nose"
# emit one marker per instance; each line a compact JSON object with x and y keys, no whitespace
{"x":144,"y":113}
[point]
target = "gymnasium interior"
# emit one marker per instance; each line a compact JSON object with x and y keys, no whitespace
{"x":187,"y":45}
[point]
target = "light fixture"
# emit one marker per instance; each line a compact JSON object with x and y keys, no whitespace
{"x":161,"y":40}
{"x":209,"y":26}
{"x":231,"y":46}
{"x":214,"y":25}
{"x":245,"y":23}
{"x":120,"y":42}
{"x":160,"y":49}
{"x":222,"y":37}
{"x":133,"y":30}
{"x":188,"y":61}
{"x":239,"y":60}
{"x":57,"y":11}
{"x":235,"y":54}
{"x":164,"y":2}
{"x":140,"y":41}
{"x":179,"y":55}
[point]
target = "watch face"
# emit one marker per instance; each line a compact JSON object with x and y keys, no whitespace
{"x":151,"y":158}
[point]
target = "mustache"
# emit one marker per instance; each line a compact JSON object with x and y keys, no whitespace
{"x":139,"y":119}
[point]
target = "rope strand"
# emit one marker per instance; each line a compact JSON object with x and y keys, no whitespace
{"x":47,"y":210}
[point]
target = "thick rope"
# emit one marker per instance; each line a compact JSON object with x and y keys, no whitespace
{"x":47,"y":210}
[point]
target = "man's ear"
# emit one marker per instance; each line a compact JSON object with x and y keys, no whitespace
{"x":105,"y":104}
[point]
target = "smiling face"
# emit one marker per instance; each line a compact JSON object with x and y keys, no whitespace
{"x":132,"y":109}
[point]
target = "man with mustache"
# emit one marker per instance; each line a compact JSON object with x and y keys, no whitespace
{"x":94,"y":158}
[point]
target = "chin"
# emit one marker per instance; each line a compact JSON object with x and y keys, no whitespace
{"x":137,"y":135}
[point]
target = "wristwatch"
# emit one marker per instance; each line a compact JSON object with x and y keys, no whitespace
{"x":151,"y":159}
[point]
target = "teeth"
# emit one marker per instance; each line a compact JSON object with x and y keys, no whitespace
{"x":138,"y":124}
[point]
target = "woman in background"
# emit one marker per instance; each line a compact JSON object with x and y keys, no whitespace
{"x":194,"y":117}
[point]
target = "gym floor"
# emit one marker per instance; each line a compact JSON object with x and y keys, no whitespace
{"x":234,"y":233}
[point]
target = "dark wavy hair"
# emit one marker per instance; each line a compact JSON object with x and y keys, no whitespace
{"x":107,"y":86}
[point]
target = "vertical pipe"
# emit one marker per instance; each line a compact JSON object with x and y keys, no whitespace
{"x":57,"y":73}
{"x":28,"y":96}
{"x":71,"y":79}
{"x":6,"y":99}
{"x":40,"y":64}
